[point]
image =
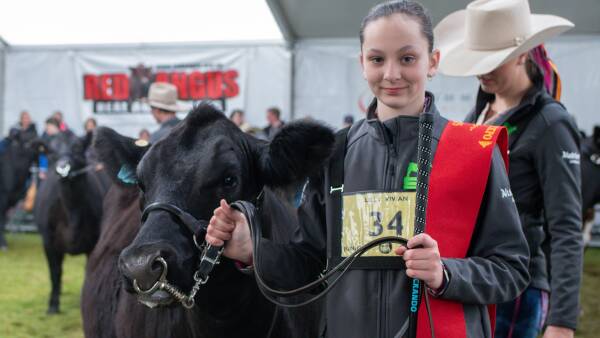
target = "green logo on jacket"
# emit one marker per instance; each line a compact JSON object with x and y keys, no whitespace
{"x":510,"y":128}
{"x":410,"y":180}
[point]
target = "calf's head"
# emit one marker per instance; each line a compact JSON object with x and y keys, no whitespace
{"x":66,"y":153}
{"x":204,"y":159}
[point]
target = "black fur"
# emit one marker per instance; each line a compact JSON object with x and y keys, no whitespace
{"x":15,"y":161}
{"x":115,"y":150}
{"x":68,"y":210}
{"x":590,"y":172}
{"x":206,"y":158}
{"x":202,"y":115}
{"x":297,"y":151}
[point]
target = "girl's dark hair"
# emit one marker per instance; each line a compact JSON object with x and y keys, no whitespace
{"x":533,"y":70}
{"x":406,"y":7}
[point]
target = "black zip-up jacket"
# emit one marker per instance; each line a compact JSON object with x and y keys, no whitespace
{"x":375,"y":303}
{"x":545,"y":179}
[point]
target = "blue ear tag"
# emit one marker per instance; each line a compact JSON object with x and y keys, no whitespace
{"x":127,"y":175}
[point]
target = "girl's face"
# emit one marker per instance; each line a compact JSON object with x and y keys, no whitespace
{"x":503,"y":78}
{"x":396,"y":61}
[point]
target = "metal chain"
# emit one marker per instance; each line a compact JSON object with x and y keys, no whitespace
{"x":162,"y":284}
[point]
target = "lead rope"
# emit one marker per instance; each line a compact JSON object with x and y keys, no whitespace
{"x":424,"y":157}
{"x":424,"y":160}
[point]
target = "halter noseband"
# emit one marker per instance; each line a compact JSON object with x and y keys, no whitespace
{"x":209,"y":254}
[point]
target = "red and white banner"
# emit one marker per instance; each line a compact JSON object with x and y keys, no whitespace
{"x":111,"y":84}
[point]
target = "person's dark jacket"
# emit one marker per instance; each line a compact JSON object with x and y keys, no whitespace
{"x":22,"y":136}
{"x":270,"y":131}
{"x":164,"y":129}
{"x":546,"y":182}
{"x":375,"y":303}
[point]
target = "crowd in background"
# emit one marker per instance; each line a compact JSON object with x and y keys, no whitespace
{"x":25,"y":130}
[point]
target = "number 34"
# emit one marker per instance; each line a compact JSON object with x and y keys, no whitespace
{"x":395,"y":223}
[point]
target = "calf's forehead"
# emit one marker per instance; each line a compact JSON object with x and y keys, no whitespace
{"x":211,"y":156}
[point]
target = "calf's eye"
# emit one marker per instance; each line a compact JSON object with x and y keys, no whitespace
{"x":230,"y":182}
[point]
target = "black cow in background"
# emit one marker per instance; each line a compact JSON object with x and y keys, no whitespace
{"x":206,"y":158}
{"x":15,"y":160}
{"x":68,"y":205}
{"x":590,"y":179}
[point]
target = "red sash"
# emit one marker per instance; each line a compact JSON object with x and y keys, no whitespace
{"x":464,"y":156}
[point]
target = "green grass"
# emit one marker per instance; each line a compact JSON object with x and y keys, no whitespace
{"x":589,"y":326}
{"x":25,"y":285}
{"x":24,"y":290}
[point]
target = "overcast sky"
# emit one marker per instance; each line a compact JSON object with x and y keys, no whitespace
{"x":125,"y":21}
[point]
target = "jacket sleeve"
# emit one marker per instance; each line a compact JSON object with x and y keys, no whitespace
{"x":302,"y":259}
{"x":496,"y":269}
{"x":557,"y":162}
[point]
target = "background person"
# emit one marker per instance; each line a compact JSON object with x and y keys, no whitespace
{"x":162,"y":97}
{"x":348,"y":121}
{"x":90,"y":125}
{"x":144,"y":134}
{"x":515,"y":79}
{"x":58,"y":116}
{"x":25,"y":129}
{"x":239,"y":119}
{"x":274,"y":123}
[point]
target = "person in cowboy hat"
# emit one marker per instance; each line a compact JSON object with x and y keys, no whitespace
{"x":162,"y":97}
{"x":499,"y":42}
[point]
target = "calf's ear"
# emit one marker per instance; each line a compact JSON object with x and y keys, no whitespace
{"x":120,"y":154}
{"x":596,"y":135}
{"x":298,"y":151}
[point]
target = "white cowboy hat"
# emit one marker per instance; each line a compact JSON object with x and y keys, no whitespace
{"x":163,"y":95}
{"x":488,"y":33}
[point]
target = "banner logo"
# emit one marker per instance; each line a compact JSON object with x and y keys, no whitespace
{"x":126,"y":92}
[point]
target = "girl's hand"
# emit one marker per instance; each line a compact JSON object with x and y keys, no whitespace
{"x":423,"y":260}
{"x":229,"y":227}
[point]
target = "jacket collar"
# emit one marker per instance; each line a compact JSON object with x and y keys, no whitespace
{"x":376,"y":128}
{"x":528,"y":100}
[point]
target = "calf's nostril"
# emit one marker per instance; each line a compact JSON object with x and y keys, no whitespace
{"x":145,"y":269}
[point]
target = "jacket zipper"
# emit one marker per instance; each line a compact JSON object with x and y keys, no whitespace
{"x":389,"y":175}
{"x":381,"y":310}
{"x":384,"y":303}
{"x":390,"y":160}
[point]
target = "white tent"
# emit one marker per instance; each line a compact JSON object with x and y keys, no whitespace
{"x":315,"y":72}
{"x":327,"y":83}
{"x":110,"y":82}
{"x":3,"y":46}
{"x":318,"y":19}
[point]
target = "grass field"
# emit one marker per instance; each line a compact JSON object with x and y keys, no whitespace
{"x":589,"y":323}
{"x":25,"y":285}
{"x":24,"y":290}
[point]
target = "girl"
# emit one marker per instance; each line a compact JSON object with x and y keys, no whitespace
{"x":373,"y":298}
